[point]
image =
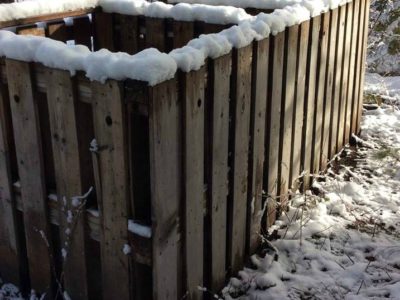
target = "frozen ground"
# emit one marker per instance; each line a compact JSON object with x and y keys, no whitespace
{"x":341,"y":240}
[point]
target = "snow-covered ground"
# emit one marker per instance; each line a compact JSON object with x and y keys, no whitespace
{"x":340,"y":240}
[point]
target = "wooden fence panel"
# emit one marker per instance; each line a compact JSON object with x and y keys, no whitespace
{"x":329,"y":86}
{"x":287,"y":110}
{"x":156,"y":34}
{"x":67,"y":152}
{"x":183,"y":33}
{"x":257,"y":142}
{"x":128,"y":33}
{"x":24,"y":112}
{"x":57,"y":31}
{"x":165,"y":173}
{"x":345,"y":76}
{"x":218,"y":88}
{"x":298,"y":114}
{"x":10,"y":252}
{"x":309,"y":104}
{"x":110,"y":134}
{"x":103,"y":32}
{"x":193,"y":86}
{"x":320,"y":93}
{"x":239,"y":148}
{"x":335,"y":110}
{"x":82,"y":28}
{"x":352,"y":72}
{"x":273,"y":125}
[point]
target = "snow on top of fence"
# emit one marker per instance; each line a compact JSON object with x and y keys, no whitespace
{"x":270,"y":4}
{"x":149,"y":65}
{"x":27,"y":9}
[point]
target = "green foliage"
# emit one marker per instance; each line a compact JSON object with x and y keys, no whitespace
{"x":373,"y":99}
{"x":394,"y":15}
{"x":394,"y":46}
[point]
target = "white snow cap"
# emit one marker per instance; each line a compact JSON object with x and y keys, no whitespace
{"x":150,"y":65}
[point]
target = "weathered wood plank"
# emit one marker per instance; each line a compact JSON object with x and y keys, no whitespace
{"x":257,"y":142}
{"x":335,"y":110}
{"x":62,"y":103}
{"x":353,"y":72}
{"x":287,"y":110}
{"x":329,"y":86}
{"x":239,"y":148}
{"x":82,"y":28}
{"x":156,"y":34}
{"x":320,"y":107}
{"x":165,"y":174}
{"x":31,"y":30}
{"x":110,"y":134}
{"x":57,"y":31}
{"x":193,"y":178}
{"x":219,"y":72}
{"x":345,"y":76}
{"x":183,"y":33}
{"x":310,"y":98}
{"x":271,"y":184}
{"x":129,"y":33}
{"x":10,"y":254}
{"x":103,"y":35}
{"x":298,"y":114}
{"x":31,"y":172}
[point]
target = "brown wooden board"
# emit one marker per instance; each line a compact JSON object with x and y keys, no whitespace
{"x":110,"y":134}
{"x":271,"y":184}
{"x":287,"y":110}
{"x":57,"y":31}
{"x":165,"y":174}
{"x":67,"y":149}
{"x":183,"y":32}
{"x":103,"y":32}
{"x":10,"y":252}
{"x":298,"y":114}
{"x":310,"y":96}
{"x":192,"y":99}
{"x":31,"y":171}
{"x":128,"y":33}
{"x":363,"y":64}
{"x":352,"y":72}
{"x":31,"y":30}
{"x":257,"y":143}
{"x":156,"y":34}
{"x":217,"y":108}
{"x":345,"y":76}
{"x":82,"y":28}
{"x":239,"y":148}
{"x":320,"y":107}
{"x":329,"y":86}
{"x":335,"y":110}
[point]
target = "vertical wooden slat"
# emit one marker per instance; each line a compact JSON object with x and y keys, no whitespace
{"x":82,"y":29}
{"x":239,"y":148}
{"x":363,"y":59}
{"x":219,"y":72}
{"x":193,"y":178}
{"x":129,"y":33}
{"x":329,"y":86}
{"x":352,"y":72}
{"x":257,"y":142}
{"x":31,"y":171}
{"x":273,"y":125}
{"x":320,"y":93}
{"x":103,"y":31}
{"x":298,"y":114}
{"x":335,"y":110}
{"x":110,"y":134}
{"x":69,"y":180}
{"x":183,"y":33}
{"x":287,"y":110}
{"x":345,"y":76}
{"x":156,"y":34}
{"x":309,"y":104}
{"x":165,"y":173}
{"x":10,"y":254}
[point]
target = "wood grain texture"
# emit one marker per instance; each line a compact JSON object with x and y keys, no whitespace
{"x":67,"y":151}
{"x":31,"y":172}
{"x":165,"y":173}
{"x":110,"y":134}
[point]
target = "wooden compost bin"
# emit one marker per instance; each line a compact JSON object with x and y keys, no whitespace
{"x":188,"y":158}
